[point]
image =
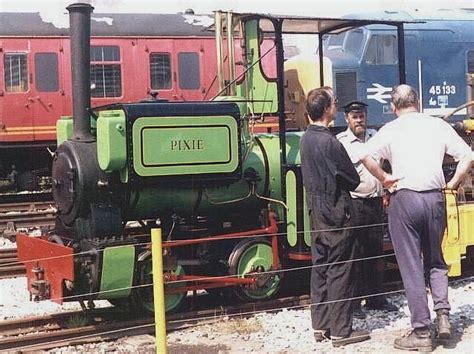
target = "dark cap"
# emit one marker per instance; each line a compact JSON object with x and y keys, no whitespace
{"x":355,"y":106}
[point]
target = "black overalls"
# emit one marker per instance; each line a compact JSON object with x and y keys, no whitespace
{"x":328,"y":176}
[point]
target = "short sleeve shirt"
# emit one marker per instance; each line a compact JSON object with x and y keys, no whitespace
{"x":415,"y":145}
{"x":369,"y":186}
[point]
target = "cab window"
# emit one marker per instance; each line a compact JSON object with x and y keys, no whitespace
{"x":382,"y":50}
{"x":470,"y":62}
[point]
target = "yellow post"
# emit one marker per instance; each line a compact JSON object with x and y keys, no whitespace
{"x":158,"y":291}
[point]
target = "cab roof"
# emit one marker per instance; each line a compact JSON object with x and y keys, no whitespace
{"x":326,"y":25}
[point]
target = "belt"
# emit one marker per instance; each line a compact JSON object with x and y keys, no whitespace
{"x":368,"y":200}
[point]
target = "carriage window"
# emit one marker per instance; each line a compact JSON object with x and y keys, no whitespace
{"x":106,"y":74}
{"x":16,"y":72}
{"x":382,"y":50}
{"x":470,"y":62}
{"x":188,"y":71}
{"x":160,"y":71}
{"x":46,"y":72}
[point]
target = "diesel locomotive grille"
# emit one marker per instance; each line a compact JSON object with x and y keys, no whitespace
{"x":346,"y":88}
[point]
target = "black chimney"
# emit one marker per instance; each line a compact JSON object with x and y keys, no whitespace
{"x":80,"y":29}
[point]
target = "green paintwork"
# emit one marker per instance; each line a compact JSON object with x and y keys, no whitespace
{"x":124,"y":175}
{"x":150,"y":202}
{"x":63,"y":129}
{"x":293,"y":148}
{"x":271,"y":144}
{"x":306,"y":221}
{"x":185,"y":145}
{"x":261,"y":93}
{"x":292,"y":211}
{"x":111,"y":141}
{"x":244,"y":116}
{"x":117,"y":272}
{"x":258,"y":255}
{"x":174,"y":301}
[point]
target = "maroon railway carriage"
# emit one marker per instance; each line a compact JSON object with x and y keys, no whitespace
{"x":132,"y":56}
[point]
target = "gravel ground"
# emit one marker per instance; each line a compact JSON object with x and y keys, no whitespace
{"x":6,"y":243}
{"x":15,"y":301}
{"x":288,"y":331}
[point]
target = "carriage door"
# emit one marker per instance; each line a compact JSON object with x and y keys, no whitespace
{"x":16,"y":98}
{"x":156,"y":55}
{"x":47,"y":92}
{"x":190,"y":69}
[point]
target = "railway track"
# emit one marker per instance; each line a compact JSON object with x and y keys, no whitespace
{"x":21,"y":216}
{"x":34,"y":334}
{"x":29,"y":197}
{"x":47,"y":332}
{"x":25,"y":215}
{"x":9,"y":265}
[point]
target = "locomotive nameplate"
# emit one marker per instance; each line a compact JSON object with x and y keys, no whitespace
{"x":165,"y":146}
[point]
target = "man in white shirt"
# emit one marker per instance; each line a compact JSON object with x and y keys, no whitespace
{"x":368,"y":210}
{"x":415,"y":145}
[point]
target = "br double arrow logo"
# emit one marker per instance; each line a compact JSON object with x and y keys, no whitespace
{"x":378,"y":93}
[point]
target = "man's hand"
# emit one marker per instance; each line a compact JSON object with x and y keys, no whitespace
{"x":451,"y":185}
{"x":386,"y":199}
{"x":390,"y":182}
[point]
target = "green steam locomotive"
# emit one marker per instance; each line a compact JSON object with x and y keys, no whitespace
{"x":230,"y":202}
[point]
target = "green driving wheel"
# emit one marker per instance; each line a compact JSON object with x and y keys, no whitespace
{"x":144,"y":294}
{"x":254,"y":257}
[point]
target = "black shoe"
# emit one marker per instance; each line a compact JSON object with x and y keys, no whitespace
{"x":354,"y":337}
{"x":383,"y":305}
{"x":359,"y":313}
{"x":418,"y":339}
{"x":321,"y":335}
{"x":442,"y":324}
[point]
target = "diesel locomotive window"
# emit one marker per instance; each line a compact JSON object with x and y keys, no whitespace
{"x":106,"y":73}
{"x":46,"y":72}
{"x":470,"y":62}
{"x":352,"y":42}
{"x":160,"y":71}
{"x":188,"y":71}
{"x":382,"y":50}
{"x":16,"y":72}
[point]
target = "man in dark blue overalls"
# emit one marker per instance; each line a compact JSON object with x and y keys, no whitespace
{"x":328,"y":176}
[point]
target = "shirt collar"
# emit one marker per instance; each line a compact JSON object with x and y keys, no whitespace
{"x":317,"y":127}
{"x":352,"y":137}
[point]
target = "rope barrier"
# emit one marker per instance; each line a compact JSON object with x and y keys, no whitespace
{"x":221,"y":238}
{"x":230,"y":276}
